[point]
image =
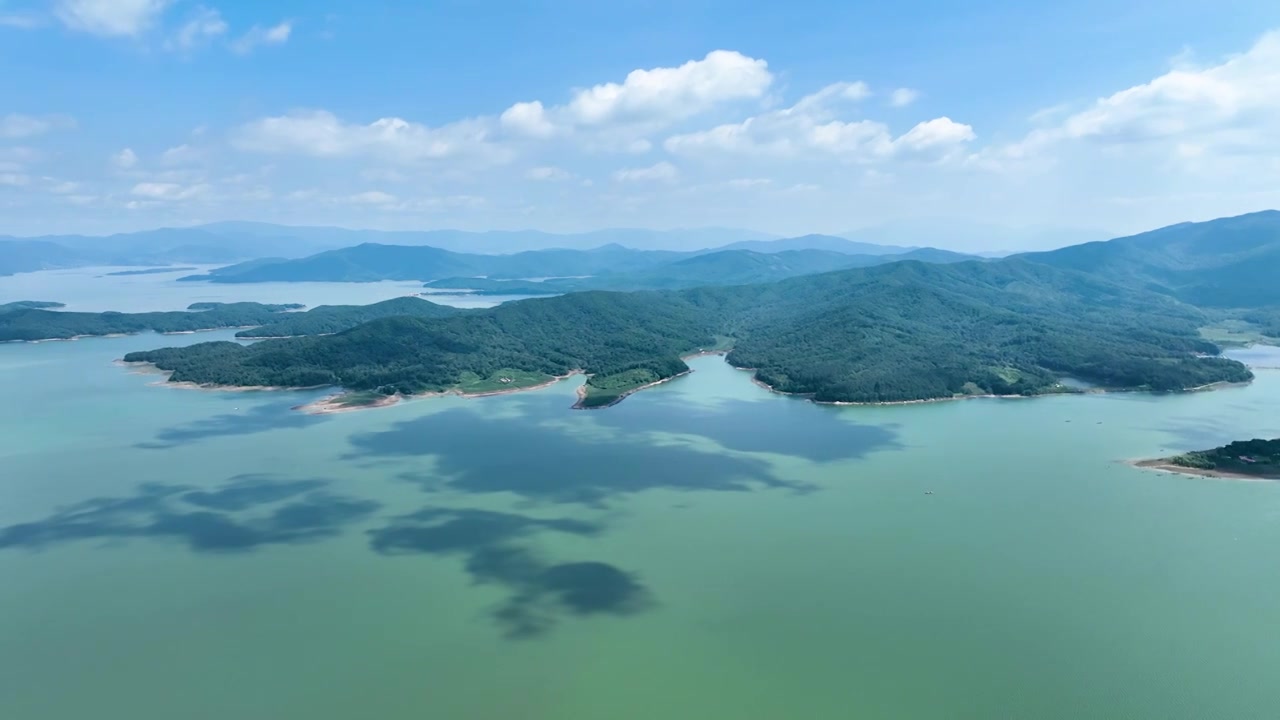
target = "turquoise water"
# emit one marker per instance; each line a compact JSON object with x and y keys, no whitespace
{"x":756,"y":556}
{"x":705,"y":549}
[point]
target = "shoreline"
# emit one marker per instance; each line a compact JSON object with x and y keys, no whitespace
{"x":1221,"y":385}
{"x":333,"y":403}
{"x":582,"y":393}
{"x":1165,"y":466}
{"x":330,"y":404}
{"x":137,"y":334}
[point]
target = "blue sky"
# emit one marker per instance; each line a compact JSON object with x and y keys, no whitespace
{"x":571,"y":115}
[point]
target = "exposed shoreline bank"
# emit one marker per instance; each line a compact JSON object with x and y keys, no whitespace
{"x":333,"y":403}
{"x":1166,"y":466}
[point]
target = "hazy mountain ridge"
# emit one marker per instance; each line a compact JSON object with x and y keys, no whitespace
{"x":1225,"y":263}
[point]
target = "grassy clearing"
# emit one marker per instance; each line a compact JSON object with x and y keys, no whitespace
{"x":506,"y":379}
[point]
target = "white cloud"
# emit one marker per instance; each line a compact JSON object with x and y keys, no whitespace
{"x":14,"y":126}
{"x":1232,"y":108}
{"x":203,"y":26}
{"x":322,"y":134}
{"x":125,"y":159}
{"x":528,"y":118}
{"x":110,"y":17}
{"x":547,"y":173}
{"x":903,"y":97}
{"x":168,"y":190}
{"x":258,"y":36}
{"x":812,"y":127}
{"x":14,"y":179}
{"x":180,"y":155}
{"x":649,"y":99}
{"x":64,"y":187}
{"x":660,"y":172}
{"x":373,"y":197}
{"x":940,"y":132}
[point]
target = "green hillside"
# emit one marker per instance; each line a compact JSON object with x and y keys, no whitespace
{"x":325,"y":319}
{"x":1226,"y":263}
{"x":903,"y":331}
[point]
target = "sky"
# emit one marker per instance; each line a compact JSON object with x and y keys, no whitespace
{"x":573,"y":115}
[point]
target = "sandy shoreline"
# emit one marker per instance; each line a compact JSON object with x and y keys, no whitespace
{"x":334,"y":404}
{"x":1165,"y":466}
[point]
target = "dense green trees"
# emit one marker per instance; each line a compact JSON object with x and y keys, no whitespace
{"x":1226,"y":263}
{"x":1247,"y":457}
{"x":904,"y":331}
{"x":326,"y":319}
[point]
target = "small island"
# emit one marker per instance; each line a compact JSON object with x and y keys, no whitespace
{"x":30,"y":305}
{"x":1243,"y":459}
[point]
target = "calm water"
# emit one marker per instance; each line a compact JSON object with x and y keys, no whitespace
{"x":92,"y":290}
{"x":706,"y":549}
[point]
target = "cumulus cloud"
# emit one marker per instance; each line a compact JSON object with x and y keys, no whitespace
{"x":1230,"y":108}
{"x":259,"y":36}
{"x":121,"y":18}
{"x":125,"y":159}
{"x":14,"y":126}
{"x":15,"y":179}
{"x":651,"y":98}
{"x":373,"y":197}
{"x":203,"y":26}
{"x":813,"y":126}
{"x":319,"y":133}
{"x":528,"y":118}
{"x":903,"y":97}
{"x":660,"y":172}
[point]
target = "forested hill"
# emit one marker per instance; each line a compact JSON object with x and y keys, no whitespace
{"x":904,"y":331}
{"x":325,"y":319}
{"x":1226,"y":263}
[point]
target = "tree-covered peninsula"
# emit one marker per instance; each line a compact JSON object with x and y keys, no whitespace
{"x":1243,"y":458}
{"x":899,"y":332}
{"x":326,"y":319}
{"x":37,"y":322}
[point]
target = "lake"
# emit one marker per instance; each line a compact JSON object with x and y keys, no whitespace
{"x":93,"y":290}
{"x":705,"y":549}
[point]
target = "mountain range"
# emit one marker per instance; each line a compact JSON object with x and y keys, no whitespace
{"x":1122,"y":314}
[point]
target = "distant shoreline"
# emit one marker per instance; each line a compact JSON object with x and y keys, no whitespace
{"x":135,"y":334}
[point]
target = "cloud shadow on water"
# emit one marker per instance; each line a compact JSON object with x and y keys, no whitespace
{"x":478,"y":454}
{"x":540,"y":592}
{"x":253,"y":420}
{"x":789,"y":426}
{"x":206,"y":521}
